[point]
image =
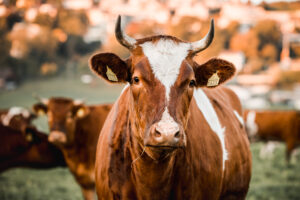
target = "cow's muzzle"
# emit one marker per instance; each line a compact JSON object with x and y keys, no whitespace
{"x":165,"y":136}
{"x":57,"y":137}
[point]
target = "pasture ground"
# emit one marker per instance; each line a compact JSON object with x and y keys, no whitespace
{"x":272,"y":179}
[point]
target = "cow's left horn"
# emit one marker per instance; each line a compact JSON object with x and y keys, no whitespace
{"x":122,"y":37}
{"x":204,"y":42}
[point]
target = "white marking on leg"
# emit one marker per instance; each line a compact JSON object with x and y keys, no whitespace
{"x":239,"y":117}
{"x":212,"y":119}
{"x":251,"y":126}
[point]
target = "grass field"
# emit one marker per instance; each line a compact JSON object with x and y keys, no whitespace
{"x":271,"y":178}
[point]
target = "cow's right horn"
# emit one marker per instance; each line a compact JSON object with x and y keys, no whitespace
{"x":122,"y":37}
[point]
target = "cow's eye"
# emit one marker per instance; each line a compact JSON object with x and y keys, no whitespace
{"x":192,"y":83}
{"x":136,"y":79}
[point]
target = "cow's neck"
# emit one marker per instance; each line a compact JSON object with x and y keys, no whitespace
{"x":152,"y":172}
{"x":150,"y":175}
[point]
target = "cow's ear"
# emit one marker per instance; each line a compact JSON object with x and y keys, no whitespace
{"x":110,"y":67}
{"x":40,"y":108}
{"x":80,"y":111}
{"x":213,"y":73}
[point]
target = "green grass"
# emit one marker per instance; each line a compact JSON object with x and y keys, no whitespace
{"x":272,"y":179}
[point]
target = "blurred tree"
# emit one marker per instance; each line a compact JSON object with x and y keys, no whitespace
{"x":45,"y":20}
{"x":295,"y":50}
{"x":246,"y":42}
{"x":73,"y":22}
{"x":269,"y":32}
{"x":192,"y":29}
{"x":288,"y":78}
{"x":75,"y":46}
{"x":5,"y":44}
{"x":13,"y":18}
{"x":269,"y":53}
{"x":253,"y":66}
{"x":229,"y":32}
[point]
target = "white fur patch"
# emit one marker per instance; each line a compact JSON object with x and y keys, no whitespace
{"x":239,"y":117}
{"x":165,"y":57}
{"x":167,"y":125}
{"x":212,"y":119}
{"x":13,"y":111}
{"x":250,"y":124}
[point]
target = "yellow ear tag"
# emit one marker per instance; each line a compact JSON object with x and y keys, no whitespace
{"x":80,"y":113}
{"x":111,"y":75}
{"x":29,"y":137}
{"x":213,"y":80}
{"x":40,"y":112}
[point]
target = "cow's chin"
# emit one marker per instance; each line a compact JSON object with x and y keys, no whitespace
{"x":159,"y":153}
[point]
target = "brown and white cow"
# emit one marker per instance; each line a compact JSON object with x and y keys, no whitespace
{"x":16,"y":117}
{"x":27,"y":148}
{"x":170,"y":135}
{"x":75,"y":128}
{"x":274,"y":125}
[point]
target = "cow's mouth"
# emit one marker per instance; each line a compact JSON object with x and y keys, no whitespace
{"x":163,"y":146}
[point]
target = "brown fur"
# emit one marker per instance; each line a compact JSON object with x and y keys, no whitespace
{"x":99,"y":62}
{"x":156,"y":38}
{"x":80,"y":148}
{"x":224,"y":69}
{"x":18,"y":122}
{"x":31,"y":150}
{"x":127,"y":169}
{"x":278,"y":125}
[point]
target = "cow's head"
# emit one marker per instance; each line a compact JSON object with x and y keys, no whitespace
{"x":162,"y":77}
{"x":17,"y":118}
{"x":62,"y":114}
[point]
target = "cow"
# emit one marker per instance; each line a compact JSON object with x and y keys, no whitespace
{"x":16,"y":117}
{"x":75,"y":128}
{"x":274,"y":125}
{"x":27,"y":149}
{"x":170,"y":135}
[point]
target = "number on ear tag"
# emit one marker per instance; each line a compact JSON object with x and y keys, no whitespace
{"x":111,"y":75}
{"x":213,"y":80}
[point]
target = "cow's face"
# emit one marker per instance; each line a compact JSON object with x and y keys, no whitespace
{"x":162,"y":77}
{"x":62,"y":114}
{"x":17,"y":118}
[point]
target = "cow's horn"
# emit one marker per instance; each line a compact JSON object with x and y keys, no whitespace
{"x":122,"y":37}
{"x":202,"y":44}
{"x":39,"y":99}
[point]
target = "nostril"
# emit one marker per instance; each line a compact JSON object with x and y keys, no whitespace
{"x":177,"y":134}
{"x":157,"y":133}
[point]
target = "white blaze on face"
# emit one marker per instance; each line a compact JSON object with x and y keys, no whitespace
{"x":212,"y":119}
{"x":165,"y":57}
{"x":13,"y":111}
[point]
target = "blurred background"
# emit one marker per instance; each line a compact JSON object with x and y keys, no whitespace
{"x":45,"y":46}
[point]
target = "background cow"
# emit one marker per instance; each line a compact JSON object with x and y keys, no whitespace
{"x":16,"y":117}
{"x":27,"y":149}
{"x":167,"y":136}
{"x":274,"y":125}
{"x":74,"y":128}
